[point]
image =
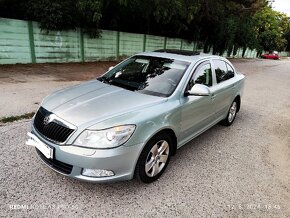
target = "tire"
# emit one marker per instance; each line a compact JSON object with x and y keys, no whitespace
{"x":232,"y":113}
{"x":153,"y":160}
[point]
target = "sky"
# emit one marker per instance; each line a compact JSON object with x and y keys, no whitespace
{"x":282,"y":6}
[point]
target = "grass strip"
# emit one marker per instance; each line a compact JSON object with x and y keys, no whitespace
{"x":16,"y":118}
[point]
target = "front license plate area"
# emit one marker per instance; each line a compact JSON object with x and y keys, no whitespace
{"x":46,"y":150}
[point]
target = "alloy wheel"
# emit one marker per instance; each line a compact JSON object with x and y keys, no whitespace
{"x":157,"y":158}
{"x":232,"y":112}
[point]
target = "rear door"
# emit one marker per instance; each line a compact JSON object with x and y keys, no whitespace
{"x":224,"y":90}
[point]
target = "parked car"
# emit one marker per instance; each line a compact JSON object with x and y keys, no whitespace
{"x":273,"y":55}
{"x":132,"y":119}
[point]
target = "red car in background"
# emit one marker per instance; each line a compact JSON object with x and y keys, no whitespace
{"x":273,"y":55}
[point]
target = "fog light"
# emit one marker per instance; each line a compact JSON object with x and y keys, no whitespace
{"x":97,"y":173}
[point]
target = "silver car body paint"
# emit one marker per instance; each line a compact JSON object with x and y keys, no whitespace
{"x":95,"y":105}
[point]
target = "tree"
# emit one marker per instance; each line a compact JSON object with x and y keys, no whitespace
{"x":287,"y":37}
{"x":89,"y":15}
{"x":218,"y":25}
{"x":55,"y":14}
{"x":270,"y":29}
{"x":221,"y":25}
{"x":52,"y":14}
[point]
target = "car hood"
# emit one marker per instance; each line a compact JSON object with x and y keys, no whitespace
{"x":95,"y":101}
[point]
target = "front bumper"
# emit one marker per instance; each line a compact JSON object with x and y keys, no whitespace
{"x":70,"y":160}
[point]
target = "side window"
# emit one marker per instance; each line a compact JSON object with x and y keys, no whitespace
{"x":231,"y":72}
{"x":223,"y":71}
{"x":202,"y":75}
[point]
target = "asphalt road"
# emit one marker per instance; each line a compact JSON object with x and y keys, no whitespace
{"x":237,"y":171}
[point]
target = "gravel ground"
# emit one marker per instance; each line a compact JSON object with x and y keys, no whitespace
{"x":237,"y":171}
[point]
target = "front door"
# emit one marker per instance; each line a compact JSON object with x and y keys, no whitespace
{"x":197,"y":112}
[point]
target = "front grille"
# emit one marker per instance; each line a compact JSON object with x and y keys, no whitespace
{"x":55,"y":164}
{"x":52,"y":131}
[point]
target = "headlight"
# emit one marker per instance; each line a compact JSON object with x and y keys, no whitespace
{"x":107,"y":138}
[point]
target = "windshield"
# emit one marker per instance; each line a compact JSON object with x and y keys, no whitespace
{"x":148,"y":75}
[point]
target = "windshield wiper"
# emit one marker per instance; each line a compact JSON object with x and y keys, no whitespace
{"x":104,"y":80}
{"x":120,"y":83}
{"x":125,"y":84}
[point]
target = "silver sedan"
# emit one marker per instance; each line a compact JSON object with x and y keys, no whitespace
{"x":132,"y":119}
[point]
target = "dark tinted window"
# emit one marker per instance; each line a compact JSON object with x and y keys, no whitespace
{"x":202,"y":75}
{"x":223,"y":71}
{"x":148,"y":75}
{"x":230,"y":73}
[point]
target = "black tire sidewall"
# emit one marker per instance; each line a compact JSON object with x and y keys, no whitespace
{"x":226,"y":121}
{"x":230,"y":123}
{"x":140,"y":168}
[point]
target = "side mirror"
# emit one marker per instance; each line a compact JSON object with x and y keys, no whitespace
{"x":198,"y":90}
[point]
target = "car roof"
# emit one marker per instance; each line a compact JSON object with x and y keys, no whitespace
{"x":181,"y":55}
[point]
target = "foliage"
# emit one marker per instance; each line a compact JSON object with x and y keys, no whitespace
{"x":55,"y":14}
{"x":287,"y":37}
{"x":52,"y":14}
{"x":270,"y":29}
{"x":223,"y":26}
{"x":89,"y":15}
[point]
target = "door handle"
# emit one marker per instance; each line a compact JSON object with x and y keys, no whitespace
{"x":213,"y":96}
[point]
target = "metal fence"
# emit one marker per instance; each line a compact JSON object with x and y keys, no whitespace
{"x":24,"y":42}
